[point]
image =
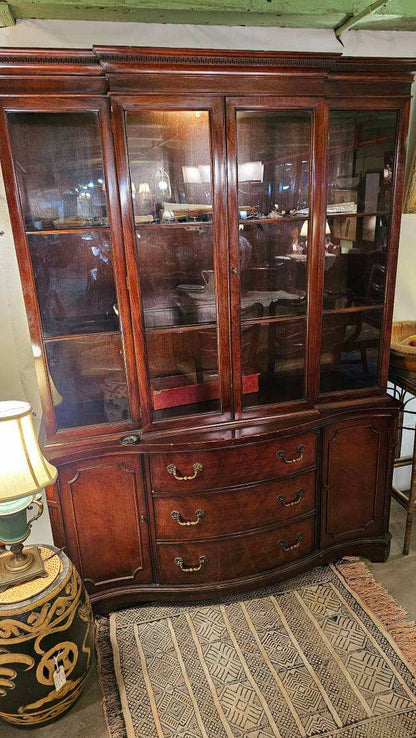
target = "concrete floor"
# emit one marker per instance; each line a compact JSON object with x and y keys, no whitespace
{"x":86,"y":719}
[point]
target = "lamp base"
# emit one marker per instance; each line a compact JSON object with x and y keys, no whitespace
{"x":20,"y":566}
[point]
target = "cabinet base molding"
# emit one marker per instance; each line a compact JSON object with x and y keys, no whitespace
{"x":376,"y":550}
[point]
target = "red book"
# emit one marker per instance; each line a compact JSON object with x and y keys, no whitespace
{"x":181,"y":390}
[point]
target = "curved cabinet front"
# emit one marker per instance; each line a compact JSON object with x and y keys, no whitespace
{"x":136,"y":530}
{"x":104,"y":512}
{"x":236,"y":557}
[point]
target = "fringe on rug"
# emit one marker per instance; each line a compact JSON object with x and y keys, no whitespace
{"x":113,"y":710}
{"x":376,"y":598}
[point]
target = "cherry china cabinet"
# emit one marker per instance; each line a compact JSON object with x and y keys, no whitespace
{"x":207,"y":243}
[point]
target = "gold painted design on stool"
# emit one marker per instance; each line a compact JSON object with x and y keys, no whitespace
{"x":54,"y":617}
{"x":67,"y":695}
{"x":7,"y":673}
{"x":67,"y":651}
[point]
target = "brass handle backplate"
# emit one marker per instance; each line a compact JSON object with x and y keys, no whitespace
{"x":175,"y":515}
{"x":295,"y":501}
{"x":171,"y":469}
{"x":282,"y":455}
{"x":189,"y":569}
{"x":291,"y":547}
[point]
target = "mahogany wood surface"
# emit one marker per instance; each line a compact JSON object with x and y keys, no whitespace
{"x":223,"y":468}
{"x":234,"y":510}
{"x":238,"y":556}
{"x":264,"y":518}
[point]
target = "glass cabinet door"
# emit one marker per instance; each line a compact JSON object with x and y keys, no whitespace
{"x":62,"y":185}
{"x":361,"y":156}
{"x":270,"y":199}
{"x":172,"y":197}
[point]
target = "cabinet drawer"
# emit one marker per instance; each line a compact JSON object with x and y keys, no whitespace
{"x":199,"y":470}
{"x":191,"y":517}
{"x":235,"y":557}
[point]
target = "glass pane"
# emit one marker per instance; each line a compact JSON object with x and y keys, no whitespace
{"x":273,"y":157}
{"x":350,"y":350}
{"x":177,"y":275}
{"x":58,"y":163}
{"x":273,"y":268}
{"x":183,"y":367}
{"x":170,"y":165}
{"x":273,"y":362}
{"x":355,"y":263}
{"x":88,"y":380}
{"x":361,"y":160}
{"x":75,"y":282}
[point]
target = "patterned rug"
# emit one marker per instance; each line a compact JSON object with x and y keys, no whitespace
{"x":316,"y":656}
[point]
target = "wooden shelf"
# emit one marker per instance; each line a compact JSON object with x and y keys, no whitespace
{"x":180,"y":328}
{"x":358,"y":215}
{"x":158,"y":224}
{"x":79,"y":336}
{"x":273,"y":221}
{"x":76,"y":229}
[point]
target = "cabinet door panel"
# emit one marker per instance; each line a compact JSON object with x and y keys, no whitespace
{"x":271,"y":144}
{"x":172,"y":174}
{"x":66,"y":222}
{"x":105,"y":519}
{"x":355,"y":456}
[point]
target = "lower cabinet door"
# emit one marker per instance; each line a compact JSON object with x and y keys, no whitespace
{"x":104,"y":511}
{"x":355,"y":487}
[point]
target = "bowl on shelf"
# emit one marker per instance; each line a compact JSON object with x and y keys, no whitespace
{"x":403,"y":345}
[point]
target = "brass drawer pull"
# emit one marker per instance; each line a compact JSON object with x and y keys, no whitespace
{"x":286,"y":547}
{"x":282,"y":455}
{"x":189,"y":569}
{"x":295,"y":501}
{"x":175,"y":515}
{"x":171,"y":469}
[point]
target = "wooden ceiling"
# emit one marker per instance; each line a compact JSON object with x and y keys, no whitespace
{"x":397,"y":15}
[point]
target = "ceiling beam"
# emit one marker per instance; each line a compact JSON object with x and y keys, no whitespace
{"x":359,"y":17}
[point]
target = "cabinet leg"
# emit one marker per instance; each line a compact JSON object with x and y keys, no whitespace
{"x":408,"y":531}
{"x":411,"y":510}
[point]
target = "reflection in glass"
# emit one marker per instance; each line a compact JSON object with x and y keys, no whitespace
{"x":273,"y":149}
{"x":177,"y":275}
{"x":170,"y":165}
{"x":273,"y":268}
{"x":74,"y":282}
{"x":361,"y":161}
{"x":355,"y":270}
{"x":88,"y":375}
{"x":350,"y":350}
{"x":58,"y":164}
{"x":273,"y":362}
{"x":183,"y":368}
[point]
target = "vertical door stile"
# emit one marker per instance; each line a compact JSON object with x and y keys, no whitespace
{"x":233,"y":258}
{"x":221,"y":260}
{"x":317,"y":252}
{"x":120,"y":147}
{"x":118,"y":250}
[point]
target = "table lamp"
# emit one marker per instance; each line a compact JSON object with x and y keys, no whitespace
{"x":24,"y":471}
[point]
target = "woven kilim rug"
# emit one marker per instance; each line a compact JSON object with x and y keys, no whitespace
{"x":326,"y":654}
